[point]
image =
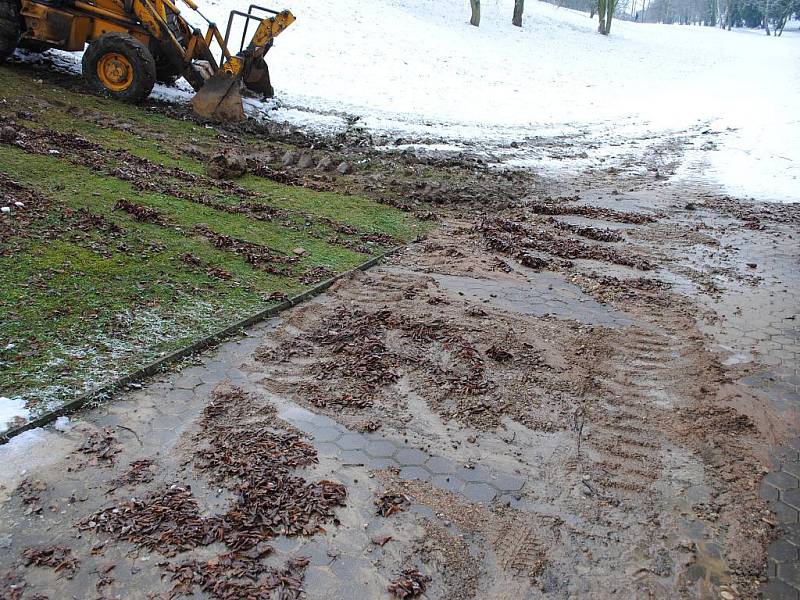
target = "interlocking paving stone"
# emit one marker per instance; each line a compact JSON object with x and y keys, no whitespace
{"x":351,"y":441}
{"x":792,"y":498}
{"x":439,"y":465}
{"x":785,"y":513}
{"x":380,"y":464}
{"x":380,"y":448}
{"x":792,"y":468}
{"x":506,"y":483}
{"x":410,"y":456}
{"x":448,"y":482}
{"x":327,"y":434}
{"x":479,"y":492}
{"x":782,"y":480}
{"x":785,"y":454}
{"x":329,"y":449}
{"x":354,"y":457}
{"x":345,"y":567}
{"x":778,"y":590}
{"x":789,"y":572}
{"x":546,"y":293}
{"x":783,"y":551}
{"x":476,"y":474}
{"x":415,"y":473}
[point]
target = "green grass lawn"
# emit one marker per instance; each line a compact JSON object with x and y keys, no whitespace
{"x":88,"y":292}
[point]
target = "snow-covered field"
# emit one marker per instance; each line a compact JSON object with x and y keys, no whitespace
{"x":417,"y":68}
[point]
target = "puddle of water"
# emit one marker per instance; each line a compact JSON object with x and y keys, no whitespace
{"x":374,"y":451}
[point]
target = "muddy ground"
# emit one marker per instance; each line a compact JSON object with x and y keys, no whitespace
{"x":573,"y":387}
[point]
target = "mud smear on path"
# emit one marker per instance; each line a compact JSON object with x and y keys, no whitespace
{"x":528,"y":403}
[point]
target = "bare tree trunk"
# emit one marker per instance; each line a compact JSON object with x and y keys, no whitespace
{"x":519,"y":6}
{"x":766,"y":16}
{"x":612,"y":5}
{"x":601,"y":16}
{"x":605,"y":12}
{"x":779,"y":31}
{"x":476,"y":12}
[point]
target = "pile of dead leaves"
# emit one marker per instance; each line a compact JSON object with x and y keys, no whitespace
{"x":257,"y":461}
{"x":255,"y":254}
{"x":592,"y":233}
{"x":102,"y":446}
{"x":316,"y":274}
{"x":27,"y":207}
{"x":237,"y":575}
{"x":12,"y":586}
{"x":390,"y":503}
{"x":409,"y":584}
{"x":58,"y":558}
{"x":139,"y":471}
{"x":29,"y":491}
{"x":167,"y":521}
{"x":210,"y":270}
{"x":592,"y":212}
{"x":141,"y":213}
{"x":242,"y":447}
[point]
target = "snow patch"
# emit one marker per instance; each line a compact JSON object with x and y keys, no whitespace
{"x":12,"y":410}
{"x":62,"y":424}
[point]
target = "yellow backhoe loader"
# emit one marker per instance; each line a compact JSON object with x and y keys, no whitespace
{"x":134,"y":43}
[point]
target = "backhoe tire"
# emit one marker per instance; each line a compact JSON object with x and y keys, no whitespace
{"x":10,"y":28}
{"x":120,"y":66}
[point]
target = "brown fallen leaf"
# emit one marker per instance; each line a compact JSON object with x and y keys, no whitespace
{"x":381,"y":540}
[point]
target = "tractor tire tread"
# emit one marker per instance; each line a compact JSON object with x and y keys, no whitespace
{"x":144,"y":66}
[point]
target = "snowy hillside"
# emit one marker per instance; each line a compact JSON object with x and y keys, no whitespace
{"x":417,"y":68}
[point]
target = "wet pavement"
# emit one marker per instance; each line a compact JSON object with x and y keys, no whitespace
{"x":640,"y":521}
{"x":543,"y":294}
{"x":762,"y":324}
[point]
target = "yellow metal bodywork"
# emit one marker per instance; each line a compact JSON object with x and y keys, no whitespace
{"x":71,"y":25}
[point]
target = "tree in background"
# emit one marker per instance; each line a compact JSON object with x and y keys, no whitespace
{"x":476,"y":12}
{"x":779,"y":12}
{"x":519,"y":6}
{"x":605,"y":12}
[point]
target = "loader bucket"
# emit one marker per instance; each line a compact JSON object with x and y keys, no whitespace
{"x":220,"y":98}
{"x":257,"y":79}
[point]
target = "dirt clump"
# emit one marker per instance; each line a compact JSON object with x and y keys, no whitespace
{"x":517,"y":239}
{"x":226,"y":164}
{"x":582,"y":210}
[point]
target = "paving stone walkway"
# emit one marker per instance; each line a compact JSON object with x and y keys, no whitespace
{"x":763,"y":323}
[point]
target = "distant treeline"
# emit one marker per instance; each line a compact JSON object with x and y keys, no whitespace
{"x":771,"y":15}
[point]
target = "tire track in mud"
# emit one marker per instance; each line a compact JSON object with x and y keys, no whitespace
{"x":514,"y":541}
{"x":623,"y":436}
